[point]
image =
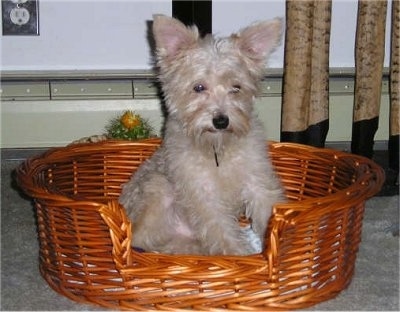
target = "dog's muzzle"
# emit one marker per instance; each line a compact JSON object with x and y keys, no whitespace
{"x":221,"y":122}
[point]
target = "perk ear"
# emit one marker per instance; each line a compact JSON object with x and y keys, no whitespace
{"x":257,"y":41}
{"x":171,"y":35}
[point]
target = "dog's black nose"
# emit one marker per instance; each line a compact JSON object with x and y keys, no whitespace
{"x":221,"y":122}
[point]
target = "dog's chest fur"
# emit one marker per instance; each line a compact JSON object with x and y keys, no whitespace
{"x":222,"y":175}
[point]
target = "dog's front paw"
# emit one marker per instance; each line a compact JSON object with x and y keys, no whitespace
{"x":254,"y":241}
{"x":249,"y":243}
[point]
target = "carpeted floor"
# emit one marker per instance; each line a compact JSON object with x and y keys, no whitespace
{"x":375,"y":285}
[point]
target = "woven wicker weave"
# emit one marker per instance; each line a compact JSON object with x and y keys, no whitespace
{"x":85,"y":236}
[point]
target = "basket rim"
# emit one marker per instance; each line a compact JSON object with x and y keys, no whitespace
{"x":360,"y":187}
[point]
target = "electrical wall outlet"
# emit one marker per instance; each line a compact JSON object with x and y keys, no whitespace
{"x":20,"y":17}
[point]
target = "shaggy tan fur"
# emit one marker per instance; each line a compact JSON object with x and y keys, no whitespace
{"x":212,"y":165}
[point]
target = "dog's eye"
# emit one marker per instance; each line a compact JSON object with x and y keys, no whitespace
{"x":199,"y":88}
{"x":235,"y":89}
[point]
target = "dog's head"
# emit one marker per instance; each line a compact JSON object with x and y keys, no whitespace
{"x":210,"y":84}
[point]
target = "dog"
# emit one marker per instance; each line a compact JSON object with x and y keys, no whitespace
{"x":212,"y":166}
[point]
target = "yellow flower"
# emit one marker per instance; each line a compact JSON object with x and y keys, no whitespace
{"x":129,"y":120}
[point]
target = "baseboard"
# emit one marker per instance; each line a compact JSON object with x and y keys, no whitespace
{"x":380,"y":145}
{"x":53,"y":109}
{"x":16,"y":154}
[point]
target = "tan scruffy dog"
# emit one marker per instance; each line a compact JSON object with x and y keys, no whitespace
{"x":212,"y":165}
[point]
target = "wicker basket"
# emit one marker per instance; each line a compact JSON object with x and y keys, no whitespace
{"x":85,"y":236}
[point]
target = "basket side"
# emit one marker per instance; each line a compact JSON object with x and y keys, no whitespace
{"x":75,"y":247}
{"x":75,"y":191}
{"x":314,"y":238}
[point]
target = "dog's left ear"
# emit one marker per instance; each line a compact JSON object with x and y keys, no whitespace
{"x":257,"y":41}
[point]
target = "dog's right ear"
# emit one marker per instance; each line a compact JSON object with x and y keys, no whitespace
{"x":172,"y":36}
{"x":258,"y":40}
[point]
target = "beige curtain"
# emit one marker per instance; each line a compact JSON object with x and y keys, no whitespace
{"x":394,"y":130}
{"x":369,"y":57}
{"x":305,"y":106}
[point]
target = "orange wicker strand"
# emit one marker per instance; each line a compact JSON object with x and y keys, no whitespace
{"x":85,"y":236}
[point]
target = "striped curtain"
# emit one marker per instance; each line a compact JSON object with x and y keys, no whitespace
{"x":394,"y":128}
{"x":305,"y":104}
{"x":305,"y":109}
{"x":369,"y":57}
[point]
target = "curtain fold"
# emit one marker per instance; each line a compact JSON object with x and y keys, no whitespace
{"x":305,"y":102}
{"x":394,"y":126}
{"x":369,"y":57}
